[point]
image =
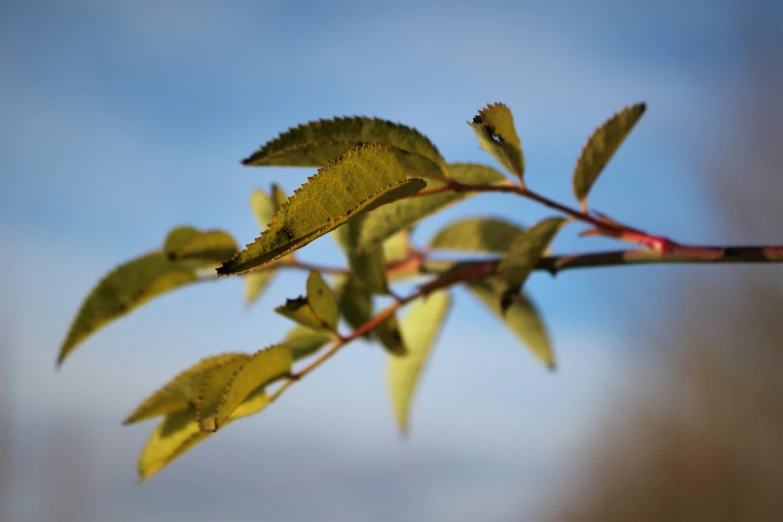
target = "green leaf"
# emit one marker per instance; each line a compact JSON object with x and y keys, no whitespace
{"x":389,"y":219}
{"x":304,"y":341}
{"x":600,"y":148}
{"x":361,"y":180}
{"x":526,"y":250}
{"x":322,"y":300}
{"x":316,"y":143}
{"x":355,"y":302}
{"x":177,"y":235}
{"x":263,"y":206}
{"x":124,"y":289}
{"x":279,"y":195}
{"x":369,"y":266}
{"x":181,"y":392}
{"x":398,"y":246}
{"x":180,"y":431}
{"x":221,"y":397}
{"x":388,"y":333}
{"x":300,"y":311}
{"x":494,"y":126}
{"x":419,"y":329}
{"x":255,"y":284}
{"x":208,"y":246}
{"x":522,"y":317}
{"x":476,"y":234}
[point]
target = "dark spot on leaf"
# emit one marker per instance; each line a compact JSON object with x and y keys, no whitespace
{"x":295,"y":304}
{"x":507,"y":299}
{"x":477,"y":119}
{"x":285,"y":230}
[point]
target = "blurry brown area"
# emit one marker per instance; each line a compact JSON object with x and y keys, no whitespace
{"x":704,"y":442}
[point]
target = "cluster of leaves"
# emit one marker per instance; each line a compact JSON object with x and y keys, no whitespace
{"x":375,"y":181}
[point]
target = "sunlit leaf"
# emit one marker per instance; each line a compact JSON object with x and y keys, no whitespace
{"x":263,"y":206}
{"x":600,"y":148}
{"x":300,"y":311}
{"x":304,"y":341}
{"x":124,"y":289}
{"x":526,"y":250}
{"x":209,"y":246}
{"x":390,"y":336}
{"x":521,"y":316}
{"x":398,"y":246}
{"x":361,"y":180}
{"x":476,"y":234}
{"x":220,"y":397}
{"x":419,"y":329}
{"x":181,"y":392}
{"x":494,"y":126}
{"x":391,"y":218}
{"x":322,"y":300}
{"x":176,"y":236}
{"x":255,"y":284}
{"x":180,"y":431}
{"x":316,"y":143}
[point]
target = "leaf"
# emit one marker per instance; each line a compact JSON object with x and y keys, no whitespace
{"x":124,"y":289}
{"x":263,"y":206}
{"x":494,"y":126}
{"x":600,"y":148}
{"x":398,"y":246}
{"x":304,"y":341}
{"x":477,"y":234}
{"x":177,"y":235}
{"x":369,"y":266}
{"x":181,"y":392}
{"x":300,"y":311}
{"x":526,"y":250}
{"x":389,"y":219}
{"x":419,"y":329}
{"x":388,"y":333}
{"x":255,"y":284}
{"x":355,"y":302}
{"x":212,"y":245}
{"x":279,"y":195}
{"x":322,"y":300}
{"x":221,"y":397}
{"x":361,"y":180}
{"x":316,"y":143}
{"x":522,"y":317}
{"x":180,"y":431}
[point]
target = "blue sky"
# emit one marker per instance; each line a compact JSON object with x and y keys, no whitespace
{"x":120,"y":120}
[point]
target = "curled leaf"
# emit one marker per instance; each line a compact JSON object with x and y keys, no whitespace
{"x":359,"y":181}
{"x":494,"y":126}
{"x":420,"y":330}
{"x":322,"y":300}
{"x":600,"y":148}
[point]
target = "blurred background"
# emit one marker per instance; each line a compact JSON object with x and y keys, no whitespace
{"x":120,"y":120}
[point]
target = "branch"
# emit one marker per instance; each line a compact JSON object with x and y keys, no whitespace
{"x":681,"y":254}
{"x":608,"y":227}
